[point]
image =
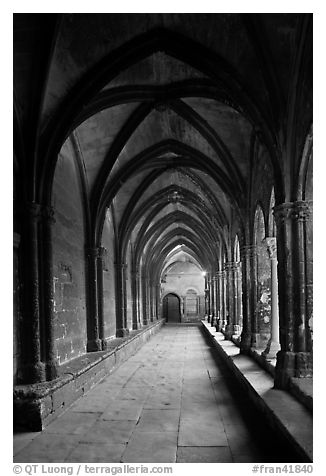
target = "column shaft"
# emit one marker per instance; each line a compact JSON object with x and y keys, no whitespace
{"x":93,"y":341}
{"x":100,"y":296}
{"x":51,"y":364}
{"x":33,"y":369}
{"x":294,"y":358}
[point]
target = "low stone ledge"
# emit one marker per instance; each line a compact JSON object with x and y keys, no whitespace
{"x":284,"y":413}
{"x":302,"y":389}
{"x":36,"y":405}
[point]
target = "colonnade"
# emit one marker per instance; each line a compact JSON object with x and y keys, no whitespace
{"x":232,"y":294}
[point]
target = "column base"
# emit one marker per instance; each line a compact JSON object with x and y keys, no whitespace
{"x":33,"y":373}
{"x":292,"y":364}
{"x":104,"y":344}
{"x":212,"y":320}
{"x":94,"y":345}
{"x":236,"y":330}
{"x":255,"y":340}
{"x":122,"y":332}
{"x":51,"y":369}
{"x":271,"y":350}
{"x":218,"y":325}
{"x":228,"y":331}
{"x":245,"y":342}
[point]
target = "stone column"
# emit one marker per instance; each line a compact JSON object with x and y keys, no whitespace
{"x":220,"y":313}
{"x":239,"y":294}
{"x":122,"y":329}
{"x":295,"y":357}
{"x":255,"y":336}
{"x":93,"y":342}
{"x":144,"y":298}
{"x":100,"y":296}
{"x":216,"y":292}
{"x":273,"y":345}
{"x":206,"y":298}
{"x":237,"y":299}
{"x":33,"y":369}
{"x":157,"y":302}
{"x":224,"y":297}
{"x":230,"y":292}
{"x":208,"y":293}
{"x":247,"y":305}
{"x":213,"y":300}
{"x":135,"y":297}
{"x":151,"y":300}
{"x":51,"y":364}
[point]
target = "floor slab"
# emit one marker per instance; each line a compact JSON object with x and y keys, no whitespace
{"x":175,"y":406}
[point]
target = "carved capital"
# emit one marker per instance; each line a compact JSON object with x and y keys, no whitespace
{"x":48,"y":214}
{"x":299,"y":211}
{"x":92,"y":252}
{"x":102,"y":252}
{"x":302,"y":211}
{"x":33,"y":210}
{"x":248,"y":251}
{"x":120,"y":265}
{"x":271,"y":247}
{"x":230,"y":266}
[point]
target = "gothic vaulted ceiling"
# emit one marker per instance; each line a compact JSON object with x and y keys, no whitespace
{"x":162,"y":111}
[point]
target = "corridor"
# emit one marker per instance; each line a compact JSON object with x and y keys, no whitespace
{"x":170,"y":402}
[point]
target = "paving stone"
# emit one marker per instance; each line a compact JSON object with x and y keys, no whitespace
{"x":91,"y":404}
{"x":133,"y":393}
{"x":151,"y":448}
{"x":201,"y":433}
{"x":96,"y":453}
{"x":22,"y":439}
{"x":109,"y":432}
{"x":123,"y":410}
{"x":201,"y":454}
{"x":47,"y":448}
{"x":72,"y":423}
{"x":159,"y":420}
{"x":141,"y":411}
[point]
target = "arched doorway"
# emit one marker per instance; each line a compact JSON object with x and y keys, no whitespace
{"x":171,"y":308}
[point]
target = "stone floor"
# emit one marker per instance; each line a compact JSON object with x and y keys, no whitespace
{"x":170,"y":402}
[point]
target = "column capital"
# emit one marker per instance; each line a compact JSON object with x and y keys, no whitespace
{"x":135,"y":273}
{"x":299,"y":210}
{"x":47,"y":214}
{"x":248,"y":250}
{"x":33,"y":210}
{"x":271,"y":247}
{"x":92,"y":252}
{"x":231,"y":266}
{"x":102,"y":251}
{"x":120,"y":265}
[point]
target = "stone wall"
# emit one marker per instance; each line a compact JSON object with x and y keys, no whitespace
{"x":68,"y":260}
{"x":184,"y":278}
